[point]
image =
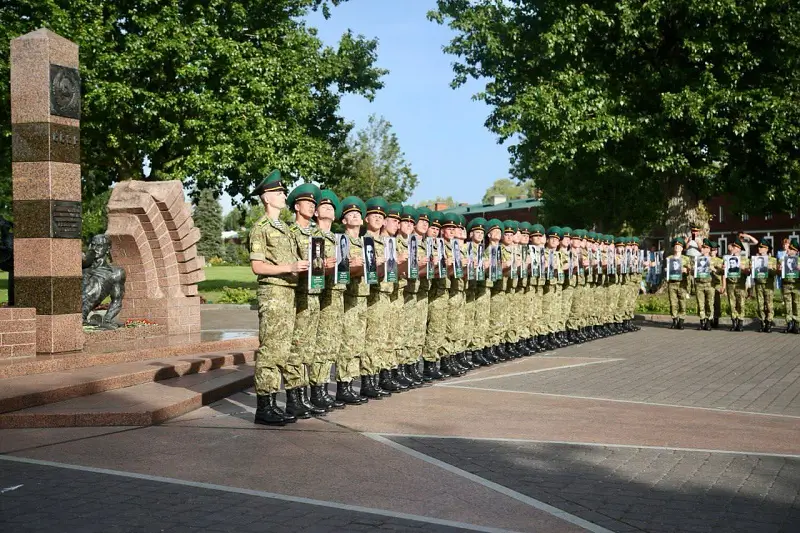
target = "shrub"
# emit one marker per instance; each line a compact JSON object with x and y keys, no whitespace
{"x":237,"y":295}
{"x":216,"y":261}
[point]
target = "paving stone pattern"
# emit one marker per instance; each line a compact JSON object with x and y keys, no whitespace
{"x":638,"y":489}
{"x":745,"y":371}
{"x":57,"y":499}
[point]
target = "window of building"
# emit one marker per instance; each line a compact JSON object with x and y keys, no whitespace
{"x":723,"y":246}
{"x":745,"y":217}
{"x":768,"y":216}
{"x":720,"y":213}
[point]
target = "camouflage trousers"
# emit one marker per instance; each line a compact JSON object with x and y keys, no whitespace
{"x":764,"y":304}
{"x":436,"y":344}
{"x":613,"y":301}
{"x":275,"y":325}
{"x":575,"y":317}
{"x":677,"y":299}
{"x":417,"y":343}
{"x":481,"y":316}
{"x":551,"y":307}
{"x":348,"y":362}
{"x":376,"y":345}
{"x":567,"y":298}
{"x":409,"y":353}
{"x":329,"y":335}
{"x":304,"y":336}
{"x":511,"y":312}
{"x":497,"y":316}
{"x":537,"y":324}
{"x":524,"y":311}
{"x":592,"y":310}
{"x":791,"y":299}
{"x":737,"y":293}
{"x":622,"y":301}
{"x":456,"y":320}
{"x":704,"y":293}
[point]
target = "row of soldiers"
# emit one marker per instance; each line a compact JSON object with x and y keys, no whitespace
{"x":731,"y":279}
{"x":377,"y":333}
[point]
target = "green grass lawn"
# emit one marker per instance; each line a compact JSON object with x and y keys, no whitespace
{"x":218,"y":277}
{"x":3,"y":286}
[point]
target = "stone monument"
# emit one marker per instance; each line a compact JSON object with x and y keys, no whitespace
{"x":46,"y":175}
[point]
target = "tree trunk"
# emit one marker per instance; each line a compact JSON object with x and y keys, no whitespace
{"x":684,"y":209}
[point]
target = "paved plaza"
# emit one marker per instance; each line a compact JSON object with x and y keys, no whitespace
{"x":658,"y":431}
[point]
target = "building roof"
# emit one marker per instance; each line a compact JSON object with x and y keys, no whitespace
{"x":480,"y":209}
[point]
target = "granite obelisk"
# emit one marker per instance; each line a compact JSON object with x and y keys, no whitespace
{"x":46,"y":173}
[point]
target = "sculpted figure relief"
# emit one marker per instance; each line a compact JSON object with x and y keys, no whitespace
{"x":101,"y":279}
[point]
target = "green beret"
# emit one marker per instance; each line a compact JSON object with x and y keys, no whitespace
{"x":580,"y":233}
{"x":794,"y":245}
{"x":525,"y":228}
{"x":477,"y":223}
{"x":450,"y":220}
{"x":329,"y":197}
{"x":377,"y":206}
{"x":714,"y":245}
{"x":619,"y":241}
{"x":764,"y":243}
{"x":436,"y":219}
{"x":510,"y":226}
{"x":678,"y":240}
{"x":353,"y":203}
{"x":462,"y":221}
{"x":306,"y":191}
{"x":566,"y":231}
{"x":636,"y":241}
{"x":394,"y":210}
{"x":554,"y":231}
{"x":694,"y":227}
{"x":271,"y":183}
{"x":609,"y":239}
{"x":409,"y":214}
{"x":589,"y":236}
{"x":706,"y":243}
{"x":493,"y":223}
{"x":423,"y":213}
{"x":738,"y":243}
{"x":537,"y":229}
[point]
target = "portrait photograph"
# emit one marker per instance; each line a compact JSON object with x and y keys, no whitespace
{"x":458,"y":266}
{"x":674,"y":269}
{"x":429,"y":257}
{"x":470,"y":261}
{"x":370,"y":261}
{"x":789,"y":268}
{"x":390,"y":259}
{"x":702,"y":267}
{"x":441,"y":259}
{"x":732,"y":266}
{"x":493,"y":262}
{"x":480,"y":275}
{"x":342,"y":270}
{"x":761,"y":266}
{"x":413,"y":256}
{"x":316,"y":258}
{"x":534,"y":254}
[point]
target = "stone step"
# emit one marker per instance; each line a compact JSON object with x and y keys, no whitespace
{"x":139,"y":405}
{"x":123,"y":352}
{"x":40,"y":389}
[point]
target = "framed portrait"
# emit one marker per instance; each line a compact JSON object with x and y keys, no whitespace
{"x":760,"y":266}
{"x":441,"y":259}
{"x":789,"y":267}
{"x":342,"y":270}
{"x":733,"y":269}
{"x":480,"y":274}
{"x":429,"y":258}
{"x":413,"y":256}
{"x":470,"y":261}
{"x":458,"y":266}
{"x":674,"y":268}
{"x":389,"y":259}
{"x":316,"y":259}
{"x":702,"y":267}
{"x":370,"y":261}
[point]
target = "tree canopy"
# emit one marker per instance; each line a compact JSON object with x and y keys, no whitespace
{"x":213,"y":93}
{"x":375,"y":165}
{"x":448,"y":201}
{"x":509,"y":189}
{"x":208,"y":219}
{"x":629,"y":112}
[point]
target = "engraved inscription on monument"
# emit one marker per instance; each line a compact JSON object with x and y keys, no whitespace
{"x":65,"y":92}
{"x":45,"y":141}
{"x":66,"y":218}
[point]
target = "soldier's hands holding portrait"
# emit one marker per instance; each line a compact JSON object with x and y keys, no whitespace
{"x":356,"y":262}
{"x":299,"y":266}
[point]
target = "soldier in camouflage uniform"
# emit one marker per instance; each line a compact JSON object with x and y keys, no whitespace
{"x":453,"y":314}
{"x":496,"y":327}
{"x":570,"y":283}
{"x":478,"y":298}
{"x":526,"y":289}
{"x":551,"y":296}
{"x":331,"y":310}
{"x":734,"y":285}
{"x":408,"y":350}
{"x":510,"y":282}
{"x":303,"y":201}
{"x":537,"y":291}
{"x":424,"y":229}
{"x":791,"y":293}
{"x":352,"y":349}
{"x":765,"y":287}
{"x":436,"y":343}
{"x":704,"y":288}
{"x":677,"y":287}
{"x":274,"y":260}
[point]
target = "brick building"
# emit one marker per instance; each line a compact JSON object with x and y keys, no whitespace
{"x":524,"y":210}
{"x":726,"y":224}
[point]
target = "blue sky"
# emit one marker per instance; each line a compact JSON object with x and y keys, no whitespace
{"x":440,"y":129}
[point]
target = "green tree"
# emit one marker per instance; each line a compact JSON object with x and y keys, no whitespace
{"x":95,"y":215}
{"x":626,"y":111}
{"x":374,"y":165}
{"x":213,"y":93}
{"x":509,"y":189}
{"x":208,"y":218}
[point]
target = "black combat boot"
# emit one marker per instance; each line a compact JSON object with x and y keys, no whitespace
{"x":674,"y":323}
{"x":739,"y":325}
{"x":346,"y":396}
{"x":294,"y":406}
{"x":513,"y":350}
{"x":318,"y":398}
{"x":768,"y":326}
{"x":680,"y":323}
{"x":445,"y":367}
{"x":488,"y":356}
{"x":477,"y":359}
{"x":715,"y":322}
{"x":314,"y":410}
{"x":330,"y":401}
{"x":412,"y":369}
{"x":376,"y":384}
{"x":368,"y":389}
{"x":386,"y":382}
{"x":399,"y":375}
{"x":733,"y":325}
{"x":708,"y":324}
{"x":430,"y":371}
{"x":702,"y":325}
{"x":267,"y":411}
{"x":455,"y":364}
{"x":796,"y":329}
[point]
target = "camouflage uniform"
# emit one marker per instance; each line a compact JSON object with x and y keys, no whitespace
{"x":511,"y":306}
{"x":352,"y":349}
{"x":764,"y":289}
{"x":551,"y":297}
{"x":791,"y":297}
{"x":437,"y":344}
{"x":379,"y":354}
{"x":306,"y":305}
{"x":677,"y":292}
{"x":330,"y":328}
{"x":272,"y":242}
{"x":456,"y":300}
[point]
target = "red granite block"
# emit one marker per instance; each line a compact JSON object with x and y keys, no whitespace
{"x":178,"y":219}
{"x":190,"y":239}
{"x":6,"y":352}
{"x":47,"y":257}
{"x":189,"y":266}
{"x":20,"y":337}
{"x":23,"y":313}
{"x":6,"y":313}
{"x":190,"y":290}
{"x":59,"y":333}
{"x":24,"y":350}
{"x":193,"y":277}
{"x":17,"y":326}
{"x":46,"y":180}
